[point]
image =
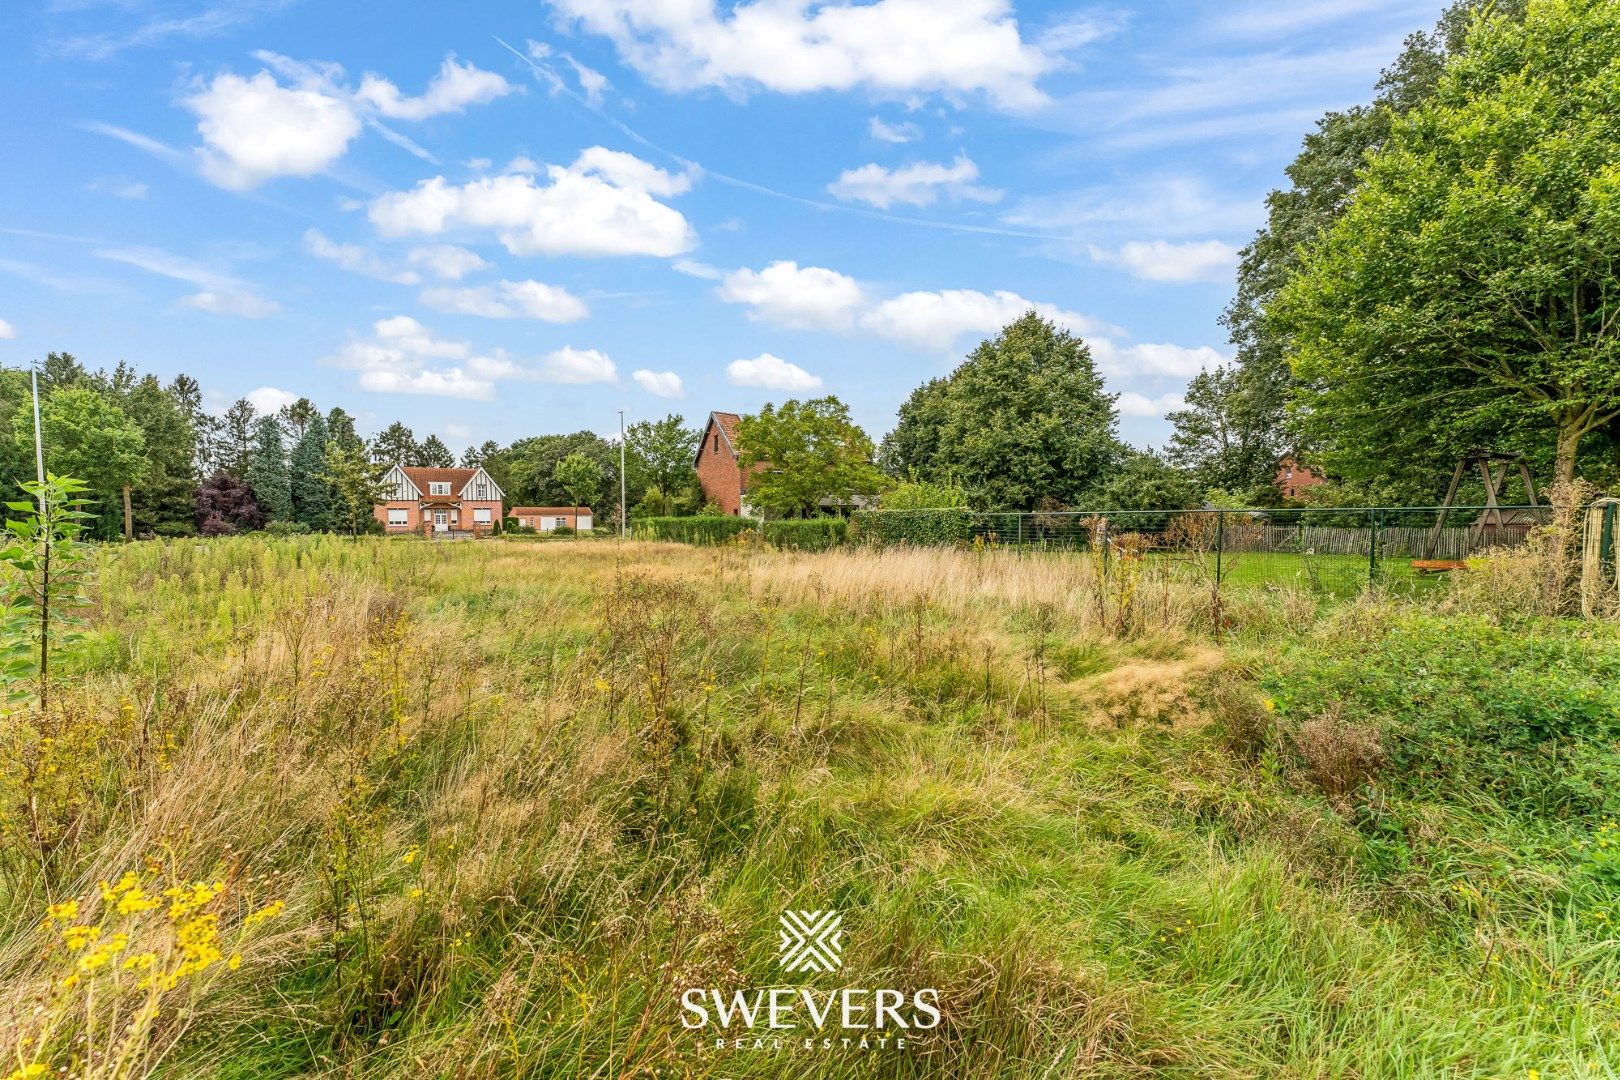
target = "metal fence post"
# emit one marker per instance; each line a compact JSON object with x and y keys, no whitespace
{"x":1220,"y":542}
{"x":1372,"y":548}
{"x":1020,"y":530}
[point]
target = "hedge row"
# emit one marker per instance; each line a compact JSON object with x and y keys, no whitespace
{"x":807,"y":534}
{"x":952,"y":525}
{"x":705,"y":529}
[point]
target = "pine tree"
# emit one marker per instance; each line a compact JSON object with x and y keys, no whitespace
{"x":236,"y":438}
{"x":267,"y":469}
{"x":311,"y":488}
{"x":296,"y":417}
{"x":433,"y":454}
{"x":340,"y":431}
{"x":395,"y":445}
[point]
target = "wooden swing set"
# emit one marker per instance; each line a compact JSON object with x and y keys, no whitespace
{"x":1495,"y":482}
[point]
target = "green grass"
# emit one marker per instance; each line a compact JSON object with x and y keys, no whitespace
{"x":619,"y":763}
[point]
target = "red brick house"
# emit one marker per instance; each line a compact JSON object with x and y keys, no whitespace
{"x":718,"y":470}
{"x":439,"y":501}
{"x":1293,"y":478}
{"x":547,"y":518}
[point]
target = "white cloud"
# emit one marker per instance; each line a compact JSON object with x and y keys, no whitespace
{"x":770,"y":373}
{"x":889,"y":47}
{"x":919,"y":184}
{"x":123,"y":189}
{"x":7,"y":331}
{"x":934,"y":320}
{"x":802,"y":298}
{"x":222,"y":293}
{"x":1180,"y":264}
{"x":664,"y":384}
{"x":591,"y":82}
{"x":570,"y":365}
{"x":269,"y":399}
{"x":245,"y":305}
{"x":454,"y":430}
{"x":397,"y":360}
{"x":1167,"y":205}
{"x":903,"y":132}
{"x":1175,"y":361}
{"x":455,"y":87}
{"x":255,"y":129}
{"x":694,"y":268}
{"x":356,"y":259}
{"x":509,"y":300}
{"x":1131,"y":403}
{"x":446,"y":261}
{"x":602,"y":204}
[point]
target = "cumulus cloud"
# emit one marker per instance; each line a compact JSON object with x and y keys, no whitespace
{"x":221,"y":293}
{"x":895,"y":134}
{"x":455,"y":87}
{"x":918,"y":184}
{"x":7,"y":331}
{"x":935,"y":320}
{"x":255,"y":129}
{"x":509,"y":300}
{"x":664,"y":384}
{"x":446,"y":261}
{"x":1131,"y":403}
{"x":769,"y":372}
{"x":270,"y":399}
{"x":605,"y":203}
{"x":1179,"y":264}
{"x":404,"y":357}
{"x":890,"y":47}
{"x":355,"y":258}
{"x":1174,"y":361}
{"x":802,"y":298}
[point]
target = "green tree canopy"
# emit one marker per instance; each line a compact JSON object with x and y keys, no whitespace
{"x":579,"y":477}
{"x":526,"y":471}
{"x":434,"y":454}
{"x":1026,"y":417}
{"x":310,"y":488}
{"x":356,"y":486}
{"x":395,"y":445}
{"x":1230,"y":433}
{"x":267,"y":469}
{"x":89,"y":438}
{"x":812,"y":452}
{"x":659,"y":453}
{"x":1469,"y":291}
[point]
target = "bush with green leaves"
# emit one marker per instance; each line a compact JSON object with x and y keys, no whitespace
{"x":805,"y":534}
{"x":702,"y":529}
{"x":946,"y":525}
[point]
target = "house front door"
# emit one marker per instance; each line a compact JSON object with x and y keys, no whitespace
{"x":441,"y":520}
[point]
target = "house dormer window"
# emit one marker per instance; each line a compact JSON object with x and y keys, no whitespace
{"x":439,"y":487}
{"x":481,"y":490}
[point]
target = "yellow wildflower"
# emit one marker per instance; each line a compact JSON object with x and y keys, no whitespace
{"x":28,"y":1072}
{"x":136,"y":900}
{"x":77,"y":937}
{"x":603,"y":686}
{"x":65,"y":912}
{"x":414,"y":893}
{"x":411,"y":855}
{"x":269,"y":911}
{"x":234,"y":962}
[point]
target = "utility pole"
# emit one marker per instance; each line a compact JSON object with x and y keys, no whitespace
{"x":39,"y":442}
{"x":624,"y":522}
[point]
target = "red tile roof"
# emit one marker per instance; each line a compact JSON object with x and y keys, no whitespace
{"x":456,"y":478}
{"x":531,"y":511}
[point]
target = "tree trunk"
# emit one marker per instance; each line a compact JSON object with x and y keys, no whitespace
{"x":1570,"y":430}
{"x":129,"y":517}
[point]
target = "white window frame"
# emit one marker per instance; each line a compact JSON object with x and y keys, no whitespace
{"x":438,"y":487}
{"x":480,"y":515}
{"x":398,"y":515}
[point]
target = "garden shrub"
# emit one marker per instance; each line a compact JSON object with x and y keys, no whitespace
{"x":702,"y":529}
{"x":807,"y":534}
{"x":946,"y":525}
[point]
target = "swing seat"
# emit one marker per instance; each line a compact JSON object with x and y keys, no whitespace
{"x":1437,"y":566}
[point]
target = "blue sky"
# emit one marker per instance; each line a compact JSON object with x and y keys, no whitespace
{"x":498,"y":219}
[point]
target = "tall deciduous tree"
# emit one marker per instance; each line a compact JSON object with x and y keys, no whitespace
{"x":1471,"y":284}
{"x":579,"y":477}
{"x":659,"y":453}
{"x":1230,"y":433}
{"x":356,"y":484}
{"x":812,"y":452}
{"x":267,"y":469}
{"x":88,"y":437}
{"x":340,"y":430}
{"x":1025,"y":418}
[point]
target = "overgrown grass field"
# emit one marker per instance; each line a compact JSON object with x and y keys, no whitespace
{"x":396,"y":808}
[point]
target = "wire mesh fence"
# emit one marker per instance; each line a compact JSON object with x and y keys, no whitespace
{"x":1335,"y":551}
